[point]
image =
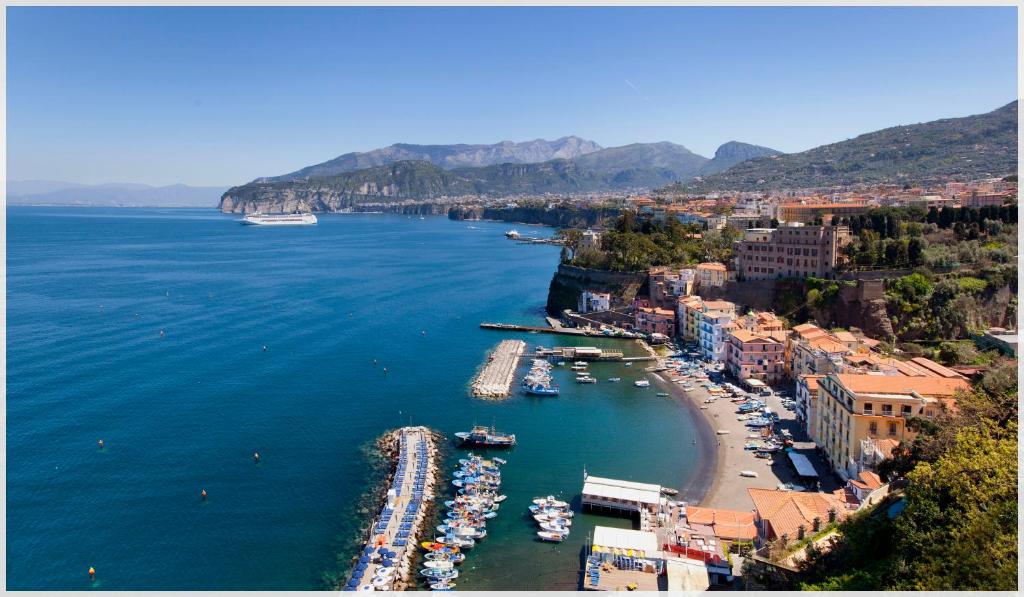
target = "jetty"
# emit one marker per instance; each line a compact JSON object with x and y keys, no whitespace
{"x":557,"y":328}
{"x":387,"y":559}
{"x":495,"y":379}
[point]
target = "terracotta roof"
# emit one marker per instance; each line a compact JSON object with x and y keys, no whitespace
{"x":785,"y":511}
{"x":844,"y":336}
{"x":935,"y":368}
{"x":828,"y":344}
{"x":891,"y":384}
{"x":712,"y":265}
{"x":726,"y":524}
{"x":823,"y":205}
{"x":871,"y":479}
{"x":720,"y":305}
{"x":747,"y":336}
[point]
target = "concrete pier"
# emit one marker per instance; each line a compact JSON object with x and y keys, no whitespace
{"x":386,"y":562}
{"x":495,"y":379}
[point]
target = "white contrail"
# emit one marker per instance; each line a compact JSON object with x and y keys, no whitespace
{"x":637,"y":90}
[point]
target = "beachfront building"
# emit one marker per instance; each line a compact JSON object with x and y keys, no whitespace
{"x":624,"y":497}
{"x":710,"y":275}
{"x":594,"y":301}
{"x":853,"y":407}
{"x":808,"y":212}
{"x":793,"y":515}
{"x":816,"y":354}
{"x":756,"y":355}
{"x":623,"y":559}
{"x":687,"y":310}
{"x":654,"y":320}
{"x":792,"y":251}
{"x":806,"y":396}
{"x":713,"y":323}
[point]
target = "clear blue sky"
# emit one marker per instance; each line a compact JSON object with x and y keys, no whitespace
{"x":219,"y":96}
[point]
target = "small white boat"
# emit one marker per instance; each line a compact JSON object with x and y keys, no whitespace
{"x":642,"y":383}
{"x":553,"y":537}
{"x":439,"y":564}
{"x":550,"y":502}
{"x":722,"y":432}
{"x":442,"y":586}
{"x":630,"y":364}
{"x":614,"y":379}
{"x":554,"y":528}
{"x":748,"y":474}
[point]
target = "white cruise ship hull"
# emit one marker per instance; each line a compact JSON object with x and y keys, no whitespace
{"x":279,"y":220}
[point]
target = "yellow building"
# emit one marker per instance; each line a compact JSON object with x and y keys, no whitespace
{"x":853,"y":409}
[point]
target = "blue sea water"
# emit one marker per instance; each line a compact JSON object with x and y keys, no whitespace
{"x":88,"y":293}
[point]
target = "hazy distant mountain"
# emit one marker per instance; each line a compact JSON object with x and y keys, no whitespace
{"x":731,"y":153}
{"x":42,"y":192}
{"x":449,"y":156}
{"x":966,"y":148}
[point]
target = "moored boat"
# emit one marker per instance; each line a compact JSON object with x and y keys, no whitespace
{"x":486,"y":437}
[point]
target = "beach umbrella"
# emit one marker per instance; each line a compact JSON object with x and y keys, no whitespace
{"x":392,"y":554}
{"x":387,"y":563}
{"x":364,"y":559}
{"x":353,"y":582}
{"x":368,"y":550}
{"x":361,"y":566}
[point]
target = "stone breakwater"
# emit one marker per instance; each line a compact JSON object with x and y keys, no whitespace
{"x":496,"y":377}
{"x":386,"y":562}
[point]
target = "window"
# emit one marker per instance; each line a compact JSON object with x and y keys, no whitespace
{"x":905,"y":409}
{"x":873,"y":428}
{"x":886,"y":410}
{"x":868,"y":408}
{"x":892,"y":429}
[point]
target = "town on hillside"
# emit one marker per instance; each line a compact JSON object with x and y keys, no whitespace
{"x":827,"y":345}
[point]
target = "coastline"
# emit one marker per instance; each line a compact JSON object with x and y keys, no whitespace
{"x":707,"y":478}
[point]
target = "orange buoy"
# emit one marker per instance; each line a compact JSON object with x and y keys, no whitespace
{"x":203,"y":494}
{"x":92,"y":573}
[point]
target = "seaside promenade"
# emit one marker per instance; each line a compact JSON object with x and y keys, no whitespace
{"x":727,"y":488}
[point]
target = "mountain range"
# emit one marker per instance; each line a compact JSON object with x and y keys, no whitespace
{"x":502,"y":169}
{"x":53,"y":192}
{"x":972,"y":147}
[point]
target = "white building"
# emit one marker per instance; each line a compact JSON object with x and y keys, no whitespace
{"x":623,"y":496}
{"x":594,"y":301}
{"x":590,"y":240}
{"x":712,"y":336}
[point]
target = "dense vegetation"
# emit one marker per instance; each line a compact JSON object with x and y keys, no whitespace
{"x":637,"y":243}
{"x":958,"y":526}
{"x":968,"y":148}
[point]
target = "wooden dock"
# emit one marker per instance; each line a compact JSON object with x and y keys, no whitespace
{"x":495,"y":379}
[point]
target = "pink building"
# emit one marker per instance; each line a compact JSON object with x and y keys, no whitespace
{"x":756,"y":355}
{"x":656,"y":321}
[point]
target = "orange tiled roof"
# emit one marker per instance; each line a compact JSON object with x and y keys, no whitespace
{"x":891,"y":384}
{"x":935,"y":368}
{"x":844,"y":336}
{"x":726,"y":524}
{"x":785,"y":511}
{"x":712,"y":266}
{"x":719,"y":305}
{"x":747,"y":336}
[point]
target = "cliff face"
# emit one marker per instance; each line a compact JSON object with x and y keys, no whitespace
{"x":402,"y":180}
{"x":569,"y":281}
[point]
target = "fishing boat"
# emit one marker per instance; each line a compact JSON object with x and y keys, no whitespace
{"x":549,"y":536}
{"x":486,"y":437}
{"x":447,"y":574}
{"x":642,"y":383}
{"x":669,"y":491}
{"x":455,"y":558}
{"x":554,"y":528}
{"x":550,"y":502}
{"x":539,"y":389}
{"x":500,"y":461}
{"x":439,"y":564}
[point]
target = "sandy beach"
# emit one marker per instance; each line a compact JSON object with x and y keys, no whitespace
{"x":720,"y":484}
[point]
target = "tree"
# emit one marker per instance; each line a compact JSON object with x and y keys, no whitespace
{"x":933,"y":215}
{"x":915,"y":251}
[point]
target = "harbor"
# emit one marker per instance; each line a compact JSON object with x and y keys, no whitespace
{"x":386,"y":561}
{"x":495,"y":379}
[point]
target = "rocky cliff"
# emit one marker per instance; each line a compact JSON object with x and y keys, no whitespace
{"x":569,"y":281}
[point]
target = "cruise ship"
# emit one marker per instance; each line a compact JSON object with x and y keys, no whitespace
{"x":295,"y":219}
